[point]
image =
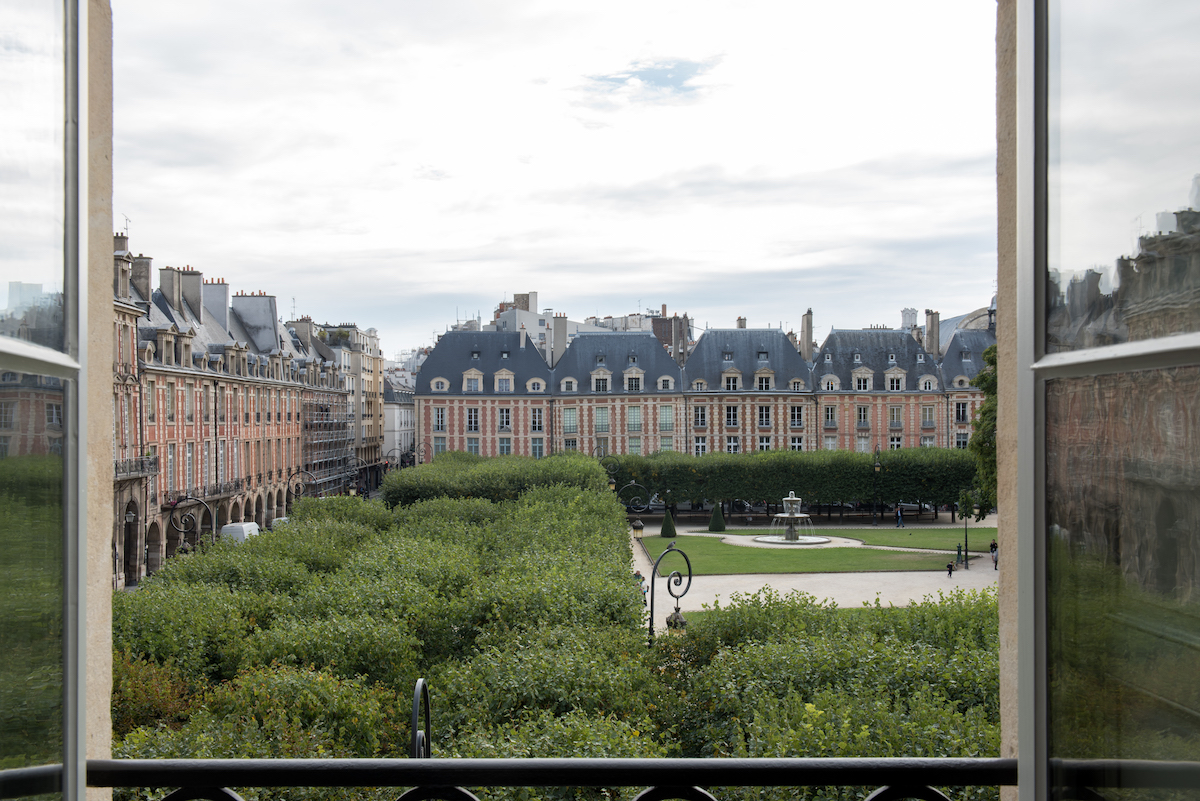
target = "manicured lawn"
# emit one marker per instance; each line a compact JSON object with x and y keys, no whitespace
{"x":711,"y":557}
{"x":942,"y":538}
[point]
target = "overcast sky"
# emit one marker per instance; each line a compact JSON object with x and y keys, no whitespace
{"x":397,"y":163}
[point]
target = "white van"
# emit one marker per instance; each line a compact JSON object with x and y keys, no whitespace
{"x":276,"y":523}
{"x":239,"y":532}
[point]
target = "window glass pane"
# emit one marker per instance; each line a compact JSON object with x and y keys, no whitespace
{"x":1124,"y":131}
{"x":31,"y":560}
{"x":1123,"y":569}
{"x":31,"y":166}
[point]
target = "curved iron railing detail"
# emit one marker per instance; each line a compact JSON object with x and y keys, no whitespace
{"x":420,"y":746}
{"x":674,"y":580}
{"x":636,"y":501}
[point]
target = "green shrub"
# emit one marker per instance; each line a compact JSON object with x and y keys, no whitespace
{"x":717,"y":521}
{"x":145,"y":693}
{"x":500,"y":478}
{"x":668,"y":525}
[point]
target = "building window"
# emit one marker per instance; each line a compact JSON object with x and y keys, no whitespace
{"x":535,"y":420}
{"x":475,"y":355}
{"x":731,"y":383}
{"x":862,"y":443}
{"x":537,"y":447}
{"x":830,"y":385}
{"x":571,"y":444}
{"x":601,"y":446}
{"x":961,"y":439}
{"x":54,"y":415}
{"x":439,"y":386}
{"x":731,"y":416}
{"x":503,"y":354}
{"x":828,"y":357}
{"x":796,"y":416}
{"x":927,"y":441}
{"x":830,"y":415}
{"x":764,"y":443}
{"x":600,"y":384}
{"x":473,"y":445}
{"x":504,"y":385}
{"x":505,"y":447}
{"x":727,"y":356}
{"x":891,"y":357}
{"x":927,"y":385}
{"x":439,"y":445}
{"x":858,"y":358}
{"x":633,"y":418}
{"x":171,"y":469}
{"x":960,"y":412}
{"x":796,"y":443}
{"x":862,"y":383}
{"x":472,"y":385}
{"x":570,"y":421}
{"x":569,"y":385}
{"x":764,"y":416}
{"x":926,"y":415}
{"x":439,"y":418}
{"x":764,"y":383}
{"x":666,"y":443}
{"x":700,"y":445}
{"x":665,"y":384}
{"x":762,"y":355}
{"x":895,"y":415}
{"x":600,"y":421}
{"x":666,"y":418}
{"x":830,"y":442}
{"x":733,"y":445}
{"x":472,"y":419}
{"x":504,"y":419}
{"x":700,"y":416}
{"x":633,"y":384}
{"x":894,"y":442}
{"x":863,"y":415}
{"x":699,"y":385}
{"x":895,"y":383}
{"x":535,"y":386}
{"x":635,"y":446}
{"x":797,"y":385}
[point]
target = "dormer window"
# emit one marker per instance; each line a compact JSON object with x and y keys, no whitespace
{"x":472,"y":385}
{"x":599,"y":360}
{"x":699,"y":385}
{"x":475,"y":355}
{"x":632,"y":359}
{"x":797,"y":385}
{"x":966,"y":355}
{"x":503,"y":354}
{"x":920,"y":358}
{"x":828,"y":357}
{"x":569,"y":385}
{"x":891,"y":357}
{"x":762,"y":355}
{"x":858,"y":358}
{"x":727,"y":356}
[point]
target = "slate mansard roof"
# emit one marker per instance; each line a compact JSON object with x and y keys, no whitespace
{"x":616,"y":353}
{"x":873,"y":347}
{"x":964,"y":355}
{"x":455,"y":354}
{"x":707,"y":361}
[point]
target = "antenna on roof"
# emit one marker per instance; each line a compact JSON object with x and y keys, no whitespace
{"x":126,"y":224}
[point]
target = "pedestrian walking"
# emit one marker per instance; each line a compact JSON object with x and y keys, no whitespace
{"x":900,"y":517}
{"x":949,"y":570}
{"x":995,"y":549}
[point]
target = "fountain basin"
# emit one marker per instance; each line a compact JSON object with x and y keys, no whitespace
{"x":799,"y":539}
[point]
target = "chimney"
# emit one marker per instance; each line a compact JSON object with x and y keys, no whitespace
{"x":169,"y":285}
{"x":120,"y":242}
{"x":192,"y":282}
{"x":908,"y":319}
{"x":932,"y":334}
{"x":522,"y":337}
{"x":560,"y":338}
{"x":806,"y":336}
{"x":741,"y":322}
{"x":664,"y":310}
{"x":216,"y":301}
{"x":141,"y":275}
{"x":533,"y":306}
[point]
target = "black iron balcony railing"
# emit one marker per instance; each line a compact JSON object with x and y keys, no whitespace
{"x":134,"y":468}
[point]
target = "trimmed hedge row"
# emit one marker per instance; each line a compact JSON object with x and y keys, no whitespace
{"x":500,"y":478}
{"x":932,"y":475}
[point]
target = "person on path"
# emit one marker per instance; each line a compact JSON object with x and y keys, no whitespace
{"x":949,"y":570}
{"x":900,"y":518}
{"x":995,"y":549}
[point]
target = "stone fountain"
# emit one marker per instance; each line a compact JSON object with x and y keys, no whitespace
{"x":793,"y":522}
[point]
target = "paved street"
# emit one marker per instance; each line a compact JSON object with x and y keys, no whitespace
{"x":845,"y":589}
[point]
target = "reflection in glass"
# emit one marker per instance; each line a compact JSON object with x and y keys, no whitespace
{"x":31,"y":171}
{"x":1123,"y":189}
{"x":1123,"y":569}
{"x":31,"y":561}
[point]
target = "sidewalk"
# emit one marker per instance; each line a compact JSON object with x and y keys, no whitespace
{"x":844,"y":589}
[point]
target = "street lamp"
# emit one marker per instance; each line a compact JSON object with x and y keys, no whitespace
{"x":675,"y":619}
{"x":299,"y":487}
{"x":393,"y":461}
{"x":352,"y":470}
{"x":187,"y":522}
{"x":875,"y":505}
{"x":426,"y":452}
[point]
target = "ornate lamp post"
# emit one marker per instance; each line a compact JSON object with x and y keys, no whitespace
{"x":674,"y":580}
{"x":875,"y":504}
{"x":425,"y":450}
{"x":187,"y":523}
{"x":393,"y":461}
{"x":353,"y":467}
{"x":297,"y":489}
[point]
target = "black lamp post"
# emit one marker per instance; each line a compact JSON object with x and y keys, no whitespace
{"x":393,"y":461}
{"x":296,"y":490}
{"x":187,"y":522}
{"x":875,"y":505}
{"x":675,"y":579}
{"x":426,"y":451}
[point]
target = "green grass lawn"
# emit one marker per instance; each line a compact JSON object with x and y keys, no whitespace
{"x":711,"y":557}
{"x":943,"y":538}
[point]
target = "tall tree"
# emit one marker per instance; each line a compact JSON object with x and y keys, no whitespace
{"x":983,"y":442}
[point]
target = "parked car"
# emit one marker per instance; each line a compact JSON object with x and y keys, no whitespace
{"x":913,"y":508}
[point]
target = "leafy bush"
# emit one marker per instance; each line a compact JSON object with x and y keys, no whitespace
{"x":717,"y":521}
{"x":501,"y":478}
{"x":146,"y":693}
{"x":379,"y":650}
